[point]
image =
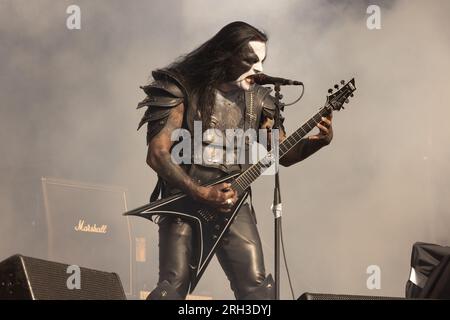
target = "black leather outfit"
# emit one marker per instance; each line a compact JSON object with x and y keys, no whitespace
{"x":240,"y":252}
{"x":240,"y":255}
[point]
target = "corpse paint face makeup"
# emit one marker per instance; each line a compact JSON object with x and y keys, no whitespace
{"x":249,"y":63}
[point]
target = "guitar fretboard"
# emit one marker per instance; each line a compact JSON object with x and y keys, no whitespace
{"x":245,"y":179}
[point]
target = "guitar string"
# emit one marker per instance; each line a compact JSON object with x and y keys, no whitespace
{"x":251,"y":170}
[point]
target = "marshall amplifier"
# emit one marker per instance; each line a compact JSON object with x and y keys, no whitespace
{"x":86,"y":227}
{"x":25,"y":278}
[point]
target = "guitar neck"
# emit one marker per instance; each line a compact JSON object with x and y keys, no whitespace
{"x":245,"y":179}
{"x":301,"y":132}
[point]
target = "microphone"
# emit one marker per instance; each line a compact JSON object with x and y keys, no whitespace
{"x":261,"y":79}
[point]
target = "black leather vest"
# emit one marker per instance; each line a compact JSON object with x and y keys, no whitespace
{"x":235,"y":109}
{"x":226,"y":143}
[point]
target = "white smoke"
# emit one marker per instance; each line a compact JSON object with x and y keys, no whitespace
{"x":68,"y":110}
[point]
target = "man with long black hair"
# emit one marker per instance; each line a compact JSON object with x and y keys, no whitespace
{"x":213,"y":85}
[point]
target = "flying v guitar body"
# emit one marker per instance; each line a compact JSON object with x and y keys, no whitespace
{"x":209,"y":225}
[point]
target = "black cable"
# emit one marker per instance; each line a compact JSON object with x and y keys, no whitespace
{"x":281,"y":225}
{"x":301,"y":96}
{"x":285,"y":262}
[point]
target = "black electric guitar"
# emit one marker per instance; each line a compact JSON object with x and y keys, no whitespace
{"x":211,"y":226}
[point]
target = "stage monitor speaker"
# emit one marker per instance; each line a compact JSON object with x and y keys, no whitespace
{"x":25,"y":278}
{"x":430,"y":272}
{"x":327,"y":296}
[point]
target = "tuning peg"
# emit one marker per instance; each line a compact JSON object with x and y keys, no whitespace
{"x":336,"y":86}
{"x":342,"y":108}
{"x":330,"y":90}
{"x":342,"y":82}
{"x":352,"y":95}
{"x":347,"y":101}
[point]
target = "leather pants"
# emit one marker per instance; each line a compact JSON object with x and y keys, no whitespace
{"x":239,"y":253}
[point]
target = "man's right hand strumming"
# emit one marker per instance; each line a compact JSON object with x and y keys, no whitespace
{"x":220,"y":196}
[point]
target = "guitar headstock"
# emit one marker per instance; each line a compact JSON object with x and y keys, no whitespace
{"x":336,"y":99}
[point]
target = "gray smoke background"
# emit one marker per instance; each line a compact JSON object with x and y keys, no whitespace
{"x":68,"y":101}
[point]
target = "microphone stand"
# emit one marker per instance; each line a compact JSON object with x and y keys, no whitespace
{"x":277,"y":205}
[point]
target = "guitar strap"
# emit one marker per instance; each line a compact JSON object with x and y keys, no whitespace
{"x":250,"y":114}
{"x":250,"y":122}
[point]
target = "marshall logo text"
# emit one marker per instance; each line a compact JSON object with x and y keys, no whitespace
{"x":82,"y":227}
